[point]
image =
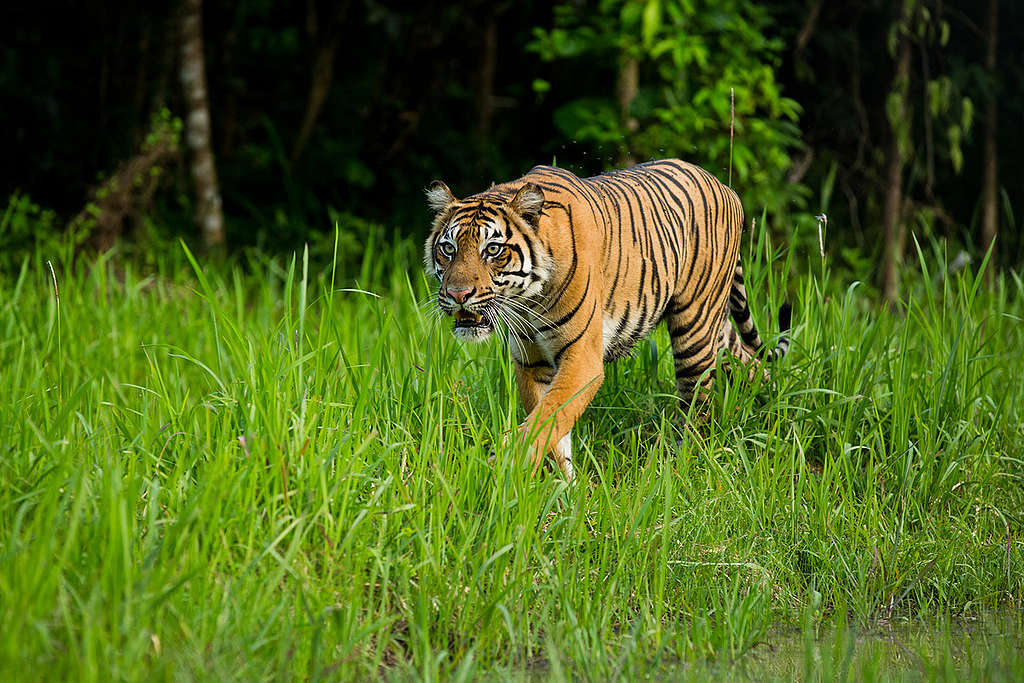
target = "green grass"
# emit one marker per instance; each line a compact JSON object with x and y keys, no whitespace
{"x":276,"y":471}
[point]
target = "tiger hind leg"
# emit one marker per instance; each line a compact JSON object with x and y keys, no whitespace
{"x":695,"y":345}
{"x":747,"y":357}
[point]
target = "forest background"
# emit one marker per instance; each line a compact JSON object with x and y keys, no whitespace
{"x":888,"y":117}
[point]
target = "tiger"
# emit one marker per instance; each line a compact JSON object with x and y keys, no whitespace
{"x":575,"y":271}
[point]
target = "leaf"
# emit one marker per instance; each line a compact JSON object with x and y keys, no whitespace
{"x":827,"y":186}
{"x":651,"y":22}
{"x":892,"y":40}
{"x":966,"y":114}
{"x":933,"y":98}
{"x":956,"y":154}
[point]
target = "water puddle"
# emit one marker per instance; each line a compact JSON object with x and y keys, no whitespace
{"x":990,"y":648}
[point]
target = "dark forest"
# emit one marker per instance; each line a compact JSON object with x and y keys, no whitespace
{"x":887,"y":117}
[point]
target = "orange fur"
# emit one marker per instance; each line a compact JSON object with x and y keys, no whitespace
{"x":578,"y":270}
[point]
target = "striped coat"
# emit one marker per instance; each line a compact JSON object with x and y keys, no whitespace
{"x":578,"y":270}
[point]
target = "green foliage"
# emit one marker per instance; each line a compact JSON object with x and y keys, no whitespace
{"x":29,"y":232}
{"x":22,"y":224}
{"x":292,"y":470}
{"x":127,"y":193}
{"x":164,"y":129}
{"x":696,"y":58}
{"x":414,"y":96}
{"x":943,"y":102}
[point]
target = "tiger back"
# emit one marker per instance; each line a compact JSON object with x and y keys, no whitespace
{"x":579,"y":270}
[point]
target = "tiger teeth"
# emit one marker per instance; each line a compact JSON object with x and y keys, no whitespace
{"x":467,"y":316}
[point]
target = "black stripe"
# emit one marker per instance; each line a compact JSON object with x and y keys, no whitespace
{"x":565,"y":318}
{"x":561,"y":352}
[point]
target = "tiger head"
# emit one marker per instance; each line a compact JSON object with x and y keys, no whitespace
{"x":485,"y":253}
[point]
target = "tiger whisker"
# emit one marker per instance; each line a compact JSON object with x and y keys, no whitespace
{"x":510,"y":316}
{"x":521,"y":305}
{"x":520,"y":308}
{"x":515,"y":325}
{"x":519,"y":328}
{"x":433,"y":314}
{"x":517,"y":331}
{"x":514,"y":332}
{"x":526,"y":327}
{"x":433,"y":299}
{"x":501,"y":318}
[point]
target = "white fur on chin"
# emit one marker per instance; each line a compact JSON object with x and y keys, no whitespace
{"x":472,"y":334}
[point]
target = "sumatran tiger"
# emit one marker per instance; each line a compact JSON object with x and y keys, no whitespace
{"x":578,"y":269}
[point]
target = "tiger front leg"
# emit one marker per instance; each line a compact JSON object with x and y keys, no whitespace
{"x":548,"y":425}
{"x":533,"y":378}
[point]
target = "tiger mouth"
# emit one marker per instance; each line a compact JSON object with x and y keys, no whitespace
{"x":468,"y":320}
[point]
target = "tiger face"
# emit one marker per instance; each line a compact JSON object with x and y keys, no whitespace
{"x":485,"y":256}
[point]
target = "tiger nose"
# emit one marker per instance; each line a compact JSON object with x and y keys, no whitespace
{"x":459,"y":295}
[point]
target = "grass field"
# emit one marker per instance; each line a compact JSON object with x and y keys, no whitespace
{"x":285,"y":470}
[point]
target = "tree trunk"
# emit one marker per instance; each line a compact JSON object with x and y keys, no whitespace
{"x":141,"y":83}
{"x":485,"y":79}
{"x":899,"y":151}
{"x":197,"y":125}
{"x":170,"y":39}
{"x":626,"y":87}
{"x":319,"y":88}
{"x":120,"y":201}
{"x":810,"y":24}
{"x":325,"y":37}
{"x":227,"y":117}
{"x":990,"y":182}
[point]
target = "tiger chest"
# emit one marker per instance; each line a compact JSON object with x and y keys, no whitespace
{"x":620,"y":329}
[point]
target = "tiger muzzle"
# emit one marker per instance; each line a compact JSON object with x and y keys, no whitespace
{"x":467,"y":319}
{"x":471,"y":325}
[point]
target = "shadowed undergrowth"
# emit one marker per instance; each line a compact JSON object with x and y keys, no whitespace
{"x":274,"y":470}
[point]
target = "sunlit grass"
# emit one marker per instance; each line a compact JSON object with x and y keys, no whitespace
{"x":276,"y":470}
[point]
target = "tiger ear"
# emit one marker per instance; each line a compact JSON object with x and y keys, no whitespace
{"x":528,"y":202}
{"x":439,"y":197}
